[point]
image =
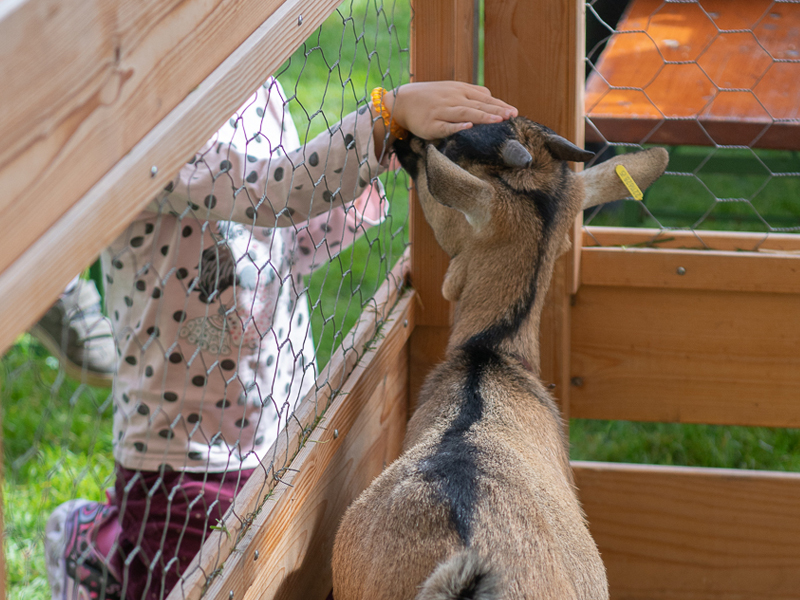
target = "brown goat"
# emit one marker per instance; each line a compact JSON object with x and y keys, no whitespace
{"x":481,"y":504}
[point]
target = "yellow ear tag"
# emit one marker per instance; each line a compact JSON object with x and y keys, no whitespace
{"x":629,"y":183}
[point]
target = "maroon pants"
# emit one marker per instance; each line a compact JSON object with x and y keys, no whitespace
{"x":164,"y":519}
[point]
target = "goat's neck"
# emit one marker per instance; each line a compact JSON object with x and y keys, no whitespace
{"x":502,"y":308}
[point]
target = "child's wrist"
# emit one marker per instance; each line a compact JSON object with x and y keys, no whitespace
{"x":384,"y":104}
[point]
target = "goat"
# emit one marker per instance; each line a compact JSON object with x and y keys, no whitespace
{"x":482,"y":502}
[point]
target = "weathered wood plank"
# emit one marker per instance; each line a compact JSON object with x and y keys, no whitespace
{"x":673,"y":533}
{"x":80,"y":233}
{"x":724,"y":88}
{"x":526,"y":43}
{"x":359,"y":435}
{"x":686,"y":356}
{"x":691,"y":270}
{"x":531,"y":41}
{"x":441,"y":48}
{"x":333,"y":378}
{"x":730,"y":241}
{"x":83,"y":82}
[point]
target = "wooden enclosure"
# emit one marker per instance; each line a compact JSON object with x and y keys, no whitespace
{"x":638,"y":326}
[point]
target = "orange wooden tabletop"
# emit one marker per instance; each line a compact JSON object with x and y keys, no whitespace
{"x":712,"y":72}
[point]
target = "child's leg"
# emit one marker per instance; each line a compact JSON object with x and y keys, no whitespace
{"x":167,"y":517}
{"x":80,"y":550}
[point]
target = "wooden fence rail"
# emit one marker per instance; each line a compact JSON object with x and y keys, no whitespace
{"x":119,"y":91}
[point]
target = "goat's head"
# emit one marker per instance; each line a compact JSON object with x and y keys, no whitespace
{"x":501,"y":200}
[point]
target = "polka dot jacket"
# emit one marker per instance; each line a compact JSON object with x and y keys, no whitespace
{"x":205,"y":289}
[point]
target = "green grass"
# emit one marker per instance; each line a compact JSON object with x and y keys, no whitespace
{"x":686,"y":445}
{"x":724,"y":189}
{"x":339,"y":290}
{"x":56,"y":446}
{"x":361,"y":46}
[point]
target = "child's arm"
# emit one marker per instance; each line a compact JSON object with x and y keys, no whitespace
{"x":286,"y":189}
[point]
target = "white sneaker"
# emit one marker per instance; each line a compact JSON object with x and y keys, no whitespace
{"x":75,"y":331}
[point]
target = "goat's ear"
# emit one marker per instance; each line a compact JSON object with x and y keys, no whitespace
{"x":563,"y":149}
{"x":454,"y":187}
{"x":603,"y":184}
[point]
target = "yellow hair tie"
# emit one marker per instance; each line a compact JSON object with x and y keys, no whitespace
{"x":386,"y":115}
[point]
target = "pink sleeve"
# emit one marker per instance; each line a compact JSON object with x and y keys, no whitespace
{"x":328,"y":234}
{"x":283,"y":189}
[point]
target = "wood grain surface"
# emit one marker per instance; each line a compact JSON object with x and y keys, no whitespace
{"x":717,"y":72}
{"x":730,"y":241}
{"x":442,"y":36}
{"x":676,"y":533}
{"x":49,"y":257}
{"x":686,"y":356}
{"x":692,"y":270}
{"x":534,"y":53}
{"x":83,"y":82}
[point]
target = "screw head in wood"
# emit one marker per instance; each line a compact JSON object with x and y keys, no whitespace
{"x":335,"y":433}
{"x":153,"y":171}
{"x":230,"y":594}
{"x":299,"y":20}
{"x":681,"y":271}
{"x":405,"y":322}
{"x":255,"y":555}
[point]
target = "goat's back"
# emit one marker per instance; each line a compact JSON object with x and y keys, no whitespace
{"x":473,"y":479}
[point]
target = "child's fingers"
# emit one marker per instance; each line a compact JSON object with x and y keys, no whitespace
{"x":499,"y":107}
{"x":447,"y":128}
{"x":474,"y":115}
{"x":484,"y":96}
{"x":503,"y":110}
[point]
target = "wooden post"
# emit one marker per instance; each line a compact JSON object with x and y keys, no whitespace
{"x":441,"y":48}
{"x":534,"y":52}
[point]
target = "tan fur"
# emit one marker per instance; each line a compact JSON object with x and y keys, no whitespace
{"x":526,"y":534}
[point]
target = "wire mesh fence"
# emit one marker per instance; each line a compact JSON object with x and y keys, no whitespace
{"x":717,"y":83}
{"x":164,"y":375}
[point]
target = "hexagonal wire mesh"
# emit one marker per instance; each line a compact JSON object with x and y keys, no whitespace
{"x":715,"y":82}
{"x":222,"y":305}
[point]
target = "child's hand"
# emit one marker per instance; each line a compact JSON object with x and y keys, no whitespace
{"x":436,"y":109}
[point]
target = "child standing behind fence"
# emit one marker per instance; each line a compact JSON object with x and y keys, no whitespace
{"x":205,"y":292}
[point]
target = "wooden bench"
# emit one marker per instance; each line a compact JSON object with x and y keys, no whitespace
{"x":718,"y":72}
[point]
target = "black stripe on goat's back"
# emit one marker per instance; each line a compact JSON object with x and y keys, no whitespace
{"x":453,"y":465}
{"x":547,"y":206}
